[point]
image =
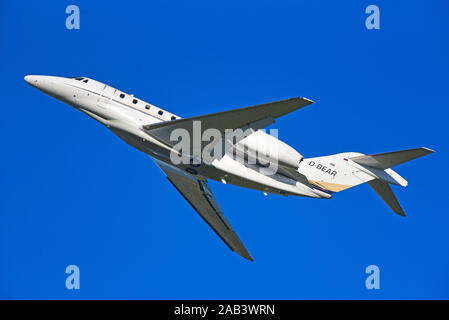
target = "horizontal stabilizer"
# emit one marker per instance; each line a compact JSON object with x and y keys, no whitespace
{"x":390,"y":159}
{"x":384,"y":191}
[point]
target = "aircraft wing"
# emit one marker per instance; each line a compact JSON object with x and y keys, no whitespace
{"x":200,"y":197}
{"x":254,"y":117}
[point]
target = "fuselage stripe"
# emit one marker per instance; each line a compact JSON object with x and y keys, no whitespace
{"x":121,"y":103}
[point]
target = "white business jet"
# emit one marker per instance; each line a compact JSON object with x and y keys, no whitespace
{"x":244,"y":160}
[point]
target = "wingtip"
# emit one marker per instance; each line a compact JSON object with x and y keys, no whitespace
{"x":428,"y":150}
{"x":249,"y":258}
{"x":245,"y":255}
{"x":402,"y":214}
{"x":305,"y":99}
{"x":399,"y":211}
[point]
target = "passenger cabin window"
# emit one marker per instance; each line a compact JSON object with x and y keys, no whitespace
{"x":85,"y":81}
{"x":173,"y":118}
{"x":147,"y":107}
{"x":161,"y":112}
{"x":135,"y":101}
{"x":78,"y":78}
{"x":122,"y":95}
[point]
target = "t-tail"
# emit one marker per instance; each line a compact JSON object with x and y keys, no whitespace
{"x":341,"y":171}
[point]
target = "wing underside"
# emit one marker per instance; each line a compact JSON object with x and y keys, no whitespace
{"x":200,"y":197}
{"x":254,"y":117}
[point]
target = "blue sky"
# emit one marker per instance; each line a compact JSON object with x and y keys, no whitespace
{"x":73,"y":193}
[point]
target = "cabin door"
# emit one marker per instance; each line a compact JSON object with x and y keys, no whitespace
{"x":106,"y":95}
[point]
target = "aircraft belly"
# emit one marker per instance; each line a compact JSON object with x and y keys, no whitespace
{"x":238,"y":173}
{"x":224,"y":170}
{"x":145,"y":146}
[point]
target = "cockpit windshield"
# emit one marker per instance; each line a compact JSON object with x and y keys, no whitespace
{"x":85,"y":80}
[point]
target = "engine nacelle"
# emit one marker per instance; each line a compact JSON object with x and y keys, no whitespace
{"x":266,"y":148}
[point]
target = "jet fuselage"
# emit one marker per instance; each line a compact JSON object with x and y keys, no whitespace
{"x":126,"y":115}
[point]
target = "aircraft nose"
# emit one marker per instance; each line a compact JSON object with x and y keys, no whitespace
{"x":48,"y":84}
{"x":29,"y":79}
{"x":33,"y":80}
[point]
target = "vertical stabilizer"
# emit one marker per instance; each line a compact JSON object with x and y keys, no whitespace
{"x":342,"y":171}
